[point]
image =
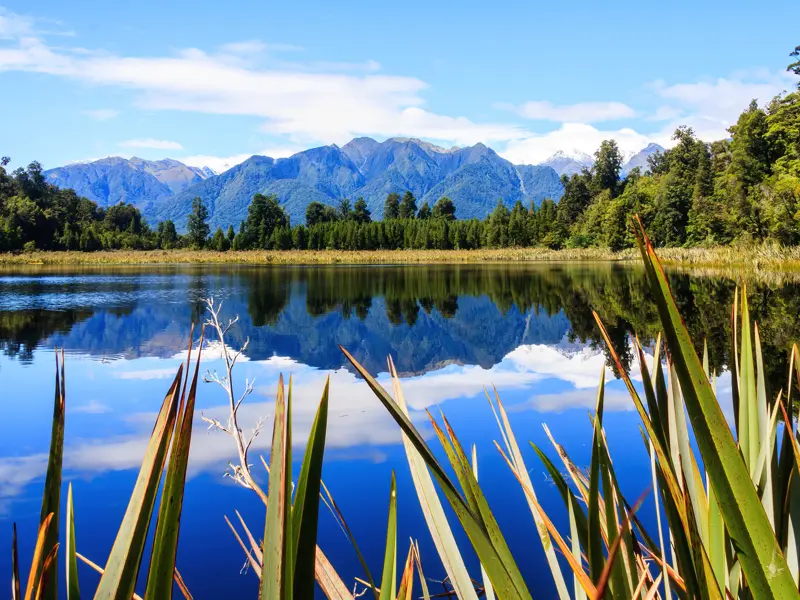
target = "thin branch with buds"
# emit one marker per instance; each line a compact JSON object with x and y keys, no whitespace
{"x":240,"y":472}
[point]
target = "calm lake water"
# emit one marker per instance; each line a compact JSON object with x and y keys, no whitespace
{"x":527,"y":329}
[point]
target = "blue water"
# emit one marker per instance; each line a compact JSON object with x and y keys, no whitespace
{"x":451,"y":330}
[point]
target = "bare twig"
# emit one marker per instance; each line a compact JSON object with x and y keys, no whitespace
{"x":238,"y":472}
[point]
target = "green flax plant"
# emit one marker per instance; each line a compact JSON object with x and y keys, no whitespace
{"x":727,"y":517}
{"x":171,"y":437}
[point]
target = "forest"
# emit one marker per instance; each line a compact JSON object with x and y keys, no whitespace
{"x":741,"y":190}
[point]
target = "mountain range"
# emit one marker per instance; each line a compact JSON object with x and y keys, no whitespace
{"x":140,"y":182}
{"x":473,"y":177}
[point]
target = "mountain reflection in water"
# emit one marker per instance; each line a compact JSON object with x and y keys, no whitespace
{"x":425,"y":316}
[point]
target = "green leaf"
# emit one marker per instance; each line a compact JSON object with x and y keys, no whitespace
{"x":716,"y":542}
{"x":512,"y":448}
{"x":305,"y":512}
{"x":483,"y":511}
{"x":575,"y":533}
{"x":73,"y":589}
{"x":440,"y":530}
{"x":672,"y":495}
{"x":165,"y":542}
{"x":570,"y":501}
{"x":275,"y":582}
{"x":595,"y":550}
{"x":389,"y":578}
{"x":51,"y":499}
{"x":693,"y":481}
{"x":757,"y":548}
{"x":487,"y":585}
{"x":748,"y":403}
{"x":122,"y":568}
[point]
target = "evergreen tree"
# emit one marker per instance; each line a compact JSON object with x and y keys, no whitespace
{"x":219,"y":242}
{"x":230,"y":236}
{"x":264,"y":215}
{"x":545,"y":222}
{"x":518,"y":226}
{"x":444,"y":209}
{"x":316,"y":212}
{"x":197,"y":225}
{"x":167,"y":235}
{"x":345,"y":209}
{"x":391,"y":208}
{"x":281,"y":238}
{"x":607,"y":166}
{"x":497,"y":226}
{"x":750,"y":148}
{"x":408,"y":206}
{"x":424,"y":211}
{"x":361,"y":213}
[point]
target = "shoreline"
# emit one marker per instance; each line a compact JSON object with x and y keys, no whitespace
{"x":747,"y":258}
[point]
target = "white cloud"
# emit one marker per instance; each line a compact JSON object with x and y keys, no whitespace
{"x":14,"y":26}
{"x":575,"y":137}
{"x":146,"y":374}
{"x":223,"y":163}
{"x":665,"y":113}
{"x":101,"y":114}
{"x":724,"y":98}
{"x":307,"y":105}
{"x":256,"y":47}
{"x":218,"y":163}
{"x":612,"y":401}
{"x":711,"y":107}
{"x":151,"y":143}
{"x":585,"y":112}
{"x":245,"y":47}
{"x":92,"y":408}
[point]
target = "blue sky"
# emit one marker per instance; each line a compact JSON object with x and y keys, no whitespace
{"x":215,"y":83}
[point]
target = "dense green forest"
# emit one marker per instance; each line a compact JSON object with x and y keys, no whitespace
{"x":744,"y":189}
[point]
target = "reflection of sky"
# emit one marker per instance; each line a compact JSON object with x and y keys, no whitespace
{"x":111,"y":408}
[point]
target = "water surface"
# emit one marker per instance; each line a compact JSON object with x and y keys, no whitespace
{"x":526,"y":329}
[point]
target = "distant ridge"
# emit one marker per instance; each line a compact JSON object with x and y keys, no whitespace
{"x":474,"y":177}
{"x":140,"y":182}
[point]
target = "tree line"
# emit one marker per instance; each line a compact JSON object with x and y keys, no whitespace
{"x":743,"y":189}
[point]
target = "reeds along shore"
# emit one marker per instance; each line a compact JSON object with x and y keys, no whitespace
{"x":728,"y":516}
{"x":742,"y":257}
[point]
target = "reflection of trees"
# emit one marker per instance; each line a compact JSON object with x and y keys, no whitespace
{"x":426,"y":299}
{"x":22,"y":331}
{"x":618,"y":293}
{"x":267,"y":295}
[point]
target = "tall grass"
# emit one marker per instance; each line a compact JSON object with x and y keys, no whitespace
{"x":744,"y":258}
{"x":728,"y":516}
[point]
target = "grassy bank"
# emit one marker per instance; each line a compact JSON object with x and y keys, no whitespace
{"x":758,"y":257}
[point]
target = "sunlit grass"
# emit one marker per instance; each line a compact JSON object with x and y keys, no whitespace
{"x":749,"y":257}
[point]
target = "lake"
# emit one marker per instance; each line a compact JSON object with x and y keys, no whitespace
{"x":525,"y":328}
